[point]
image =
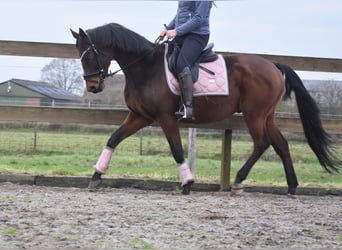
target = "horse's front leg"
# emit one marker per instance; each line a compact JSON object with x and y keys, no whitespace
{"x":131,"y":124}
{"x":171,"y":131}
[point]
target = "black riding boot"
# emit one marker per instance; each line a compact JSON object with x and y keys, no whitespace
{"x":187,"y":89}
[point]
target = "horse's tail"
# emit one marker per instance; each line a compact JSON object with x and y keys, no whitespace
{"x":318,"y":139}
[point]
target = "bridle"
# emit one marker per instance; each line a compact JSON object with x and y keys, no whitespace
{"x":100,"y":71}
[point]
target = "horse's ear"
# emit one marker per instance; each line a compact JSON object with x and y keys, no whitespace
{"x":74,"y":34}
{"x":82,"y":33}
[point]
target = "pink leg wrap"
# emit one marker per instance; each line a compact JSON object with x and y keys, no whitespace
{"x":185,"y":173}
{"x":102,"y":163}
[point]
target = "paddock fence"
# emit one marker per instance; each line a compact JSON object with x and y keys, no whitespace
{"x":116,"y":116}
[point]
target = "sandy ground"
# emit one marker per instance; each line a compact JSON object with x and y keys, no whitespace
{"x":36,"y":217}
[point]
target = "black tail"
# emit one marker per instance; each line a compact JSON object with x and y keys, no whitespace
{"x":317,"y":138}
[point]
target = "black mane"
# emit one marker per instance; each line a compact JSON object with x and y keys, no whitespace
{"x":117,"y":36}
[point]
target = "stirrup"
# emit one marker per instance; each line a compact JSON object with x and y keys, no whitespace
{"x":182,"y":114}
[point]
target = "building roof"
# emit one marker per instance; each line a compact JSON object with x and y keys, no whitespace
{"x":44,"y":88}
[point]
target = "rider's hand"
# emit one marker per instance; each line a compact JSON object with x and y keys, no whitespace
{"x":171,"y":34}
{"x":163,"y":33}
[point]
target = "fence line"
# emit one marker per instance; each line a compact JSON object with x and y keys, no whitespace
{"x":115,"y":117}
{"x":63,"y":50}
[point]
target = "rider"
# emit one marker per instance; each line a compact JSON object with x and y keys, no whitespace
{"x":190,"y":31}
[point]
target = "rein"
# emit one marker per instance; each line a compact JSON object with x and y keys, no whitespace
{"x":157,"y":42}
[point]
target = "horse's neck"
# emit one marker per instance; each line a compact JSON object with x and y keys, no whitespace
{"x":128,"y":62}
{"x":137,"y":67}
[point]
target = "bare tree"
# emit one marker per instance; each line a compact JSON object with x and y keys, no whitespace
{"x":328,"y":96}
{"x":64,"y":73}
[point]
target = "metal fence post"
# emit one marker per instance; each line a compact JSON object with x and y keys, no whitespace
{"x":192,"y":149}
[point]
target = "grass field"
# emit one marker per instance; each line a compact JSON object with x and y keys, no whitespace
{"x":74,"y":154}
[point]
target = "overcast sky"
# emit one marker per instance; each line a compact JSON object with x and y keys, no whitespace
{"x":281,"y":27}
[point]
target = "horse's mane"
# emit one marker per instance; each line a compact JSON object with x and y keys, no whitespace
{"x":117,"y":36}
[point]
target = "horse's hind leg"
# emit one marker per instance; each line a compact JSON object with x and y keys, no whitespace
{"x":280,"y":145}
{"x":261,"y":143}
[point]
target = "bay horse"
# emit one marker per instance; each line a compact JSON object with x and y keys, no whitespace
{"x":256,"y":85}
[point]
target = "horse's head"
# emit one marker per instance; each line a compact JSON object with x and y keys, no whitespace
{"x":95,"y":64}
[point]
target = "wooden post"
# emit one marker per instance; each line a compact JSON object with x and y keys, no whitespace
{"x":192,"y":149}
{"x":35,"y":135}
{"x":226,"y":160}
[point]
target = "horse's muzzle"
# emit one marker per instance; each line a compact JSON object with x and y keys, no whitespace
{"x":93,"y":89}
{"x":94,"y":86}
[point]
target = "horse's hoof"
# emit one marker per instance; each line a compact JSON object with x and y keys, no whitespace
{"x":291,"y":196}
{"x":187,"y":188}
{"x":237,"y":189}
{"x":237,"y":192}
{"x":291,"y":191}
{"x":94,"y":184}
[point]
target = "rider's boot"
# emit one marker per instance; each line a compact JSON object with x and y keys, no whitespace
{"x":187,"y":89}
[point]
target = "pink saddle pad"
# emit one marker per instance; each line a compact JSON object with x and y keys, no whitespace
{"x":206,"y":84}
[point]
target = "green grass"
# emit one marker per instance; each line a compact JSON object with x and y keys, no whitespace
{"x":10,"y":231}
{"x":74,"y":154}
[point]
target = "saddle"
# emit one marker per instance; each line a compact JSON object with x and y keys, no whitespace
{"x":207,"y":55}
